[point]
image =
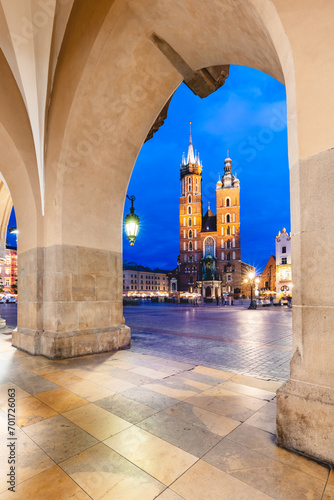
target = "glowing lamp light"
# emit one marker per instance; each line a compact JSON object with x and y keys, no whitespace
{"x":131,"y":223}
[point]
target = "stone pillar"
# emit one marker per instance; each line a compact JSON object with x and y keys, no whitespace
{"x":70,"y":302}
{"x":305,"y":404}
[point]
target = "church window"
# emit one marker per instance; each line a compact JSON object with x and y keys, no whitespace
{"x":228,"y":257}
{"x":283,"y":249}
{"x":194,"y":269}
{"x":228,"y":218}
{"x":223,"y":219}
{"x":228,"y":244}
{"x":190,"y":258}
{"x":233,"y":229}
{"x":233,"y":217}
{"x":228,"y":230}
{"x":189,"y":221}
{"x":233,"y":243}
{"x":189,"y":198}
{"x":209,"y":247}
{"x":189,"y":210}
{"x":190,"y":233}
{"x":222,"y":231}
{"x":227,"y":202}
{"x":189,"y":184}
{"x":195,"y":245}
{"x":284,"y":260}
{"x":233,"y":255}
{"x":190,"y":246}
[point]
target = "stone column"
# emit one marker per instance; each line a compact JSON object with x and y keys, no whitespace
{"x":305,"y":404}
{"x":70,"y":302}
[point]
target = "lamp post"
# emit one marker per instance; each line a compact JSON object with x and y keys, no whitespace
{"x":131,"y":222}
{"x":253,"y":280}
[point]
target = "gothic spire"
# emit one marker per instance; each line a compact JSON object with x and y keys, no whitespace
{"x":191,"y":156}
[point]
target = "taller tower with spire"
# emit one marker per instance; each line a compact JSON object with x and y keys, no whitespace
{"x":190,"y":218}
{"x":210,"y":249}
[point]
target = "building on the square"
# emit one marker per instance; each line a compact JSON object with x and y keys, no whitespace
{"x":8,"y":270}
{"x":283,"y":264}
{"x":146,"y":283}
{"x":268,"y":277}
{"x":210,"y":251}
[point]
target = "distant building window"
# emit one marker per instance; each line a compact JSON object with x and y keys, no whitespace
{"x":190,"y":246}
{"x":228,"y":244}
{"x":195,"y":220}
{"x":222,"y":231}
{"x":196,"y":255}
{"x":266,"y":285}
{"x":228,"y":230}
{"x":233,"y":217}
{"x":284,"y":260}
{"x":228,"y":257}
{"x":189,"y":210}
{"x":233,"y":243}
{"x":223,"y":218}
{"x":283,"y":249}
{"x":228,"y":218}
{"x":209,"y":247}
{"x":184,"y":221}
{"x":233,"y":229}
{"x":227,"y":202}
{"x":189,"y":221}
{"x":190,"y":233}
{"x":195,"y":233}
{"x":185,"y":258}
{"x":194,"y":269}
{"x":233,"y":255}
{"x":223,"y":256}
{"x":184,"y":233}
{"x":190,"y":258}
{"x":189,"y":198}
{"x":229,"y":277}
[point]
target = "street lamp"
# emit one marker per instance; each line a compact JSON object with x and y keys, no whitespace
{"x":131,"y":222}
{"x":253,"y":280}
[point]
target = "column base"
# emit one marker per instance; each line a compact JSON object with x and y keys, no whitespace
{"x":305,"y":420}
{"x":63,"y":345}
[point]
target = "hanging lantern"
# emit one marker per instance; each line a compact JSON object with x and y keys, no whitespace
{"x":131,"y":222}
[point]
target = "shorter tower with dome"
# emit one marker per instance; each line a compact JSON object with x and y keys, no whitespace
{"x":210,"y":253}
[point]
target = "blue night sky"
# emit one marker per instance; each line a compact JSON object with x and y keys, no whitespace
{"x":247,"y":116}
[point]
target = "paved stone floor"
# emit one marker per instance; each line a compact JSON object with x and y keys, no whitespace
{"x":134,"y":426}
{"x":255,"y":343}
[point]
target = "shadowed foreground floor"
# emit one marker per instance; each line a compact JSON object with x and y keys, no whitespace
{"x":132,"y":426}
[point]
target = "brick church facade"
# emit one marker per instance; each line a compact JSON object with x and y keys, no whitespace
{"x":210,"y":253}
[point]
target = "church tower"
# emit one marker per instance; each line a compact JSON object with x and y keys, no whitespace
{"x":190,"y":219}
{"x":228,"y":228}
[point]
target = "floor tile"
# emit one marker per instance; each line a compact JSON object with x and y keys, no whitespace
{"x":31,"y":383}
{"x":269,"y":408}
{"x":173,"y":392}
{"x":203,"y":478}
{"x":61,"y":378}
{"x":128,"y":376}
{"x":329,"y":492}
{"x":217,"y":424}
{"x":331,"y":478}
{"x":188,"y":437}
{"x":263,"y":421}
{"x":186,"y":383}
{"x":252,"y":437}
{"x":19,"y":393}
{"x":199,"y":377}
{"x":155,"y":456}
{"x":61,"y":400}
{"x":221,"y":407}
{"x":149,"y":372}
{"x":283,"y":483}
{"x":266,"y":385}
{"x":31,"y":410}
{"x":60,"y":438}
{"x":50,"y":484}
{"x":81,"y":373}
{"x":88,"y":390}
{"x":104,"y":474}
{"x":111,"y":383}
{"x":31,"y":460}
{"x":150,"y":398}
{"x":126,"y":408}
{"x":254,"y":392}
{"x":230,"y":456}
{"x":212,"y":372}
{"x":96,"y":421}
{"x":169,"y":495}
{"x":232,"y":397}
